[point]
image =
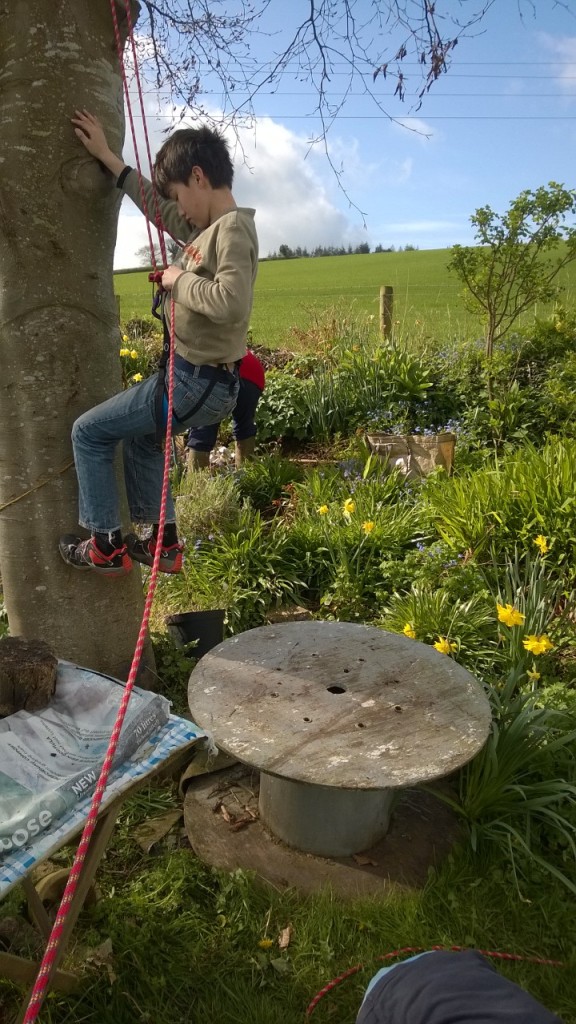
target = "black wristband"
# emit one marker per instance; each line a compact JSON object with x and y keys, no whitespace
{"x":122,"y":176}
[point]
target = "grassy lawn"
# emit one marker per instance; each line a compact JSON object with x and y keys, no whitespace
{"x":186,"y":939}
{"x":426,"y":297}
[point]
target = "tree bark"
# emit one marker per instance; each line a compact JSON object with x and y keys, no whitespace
{"x":59,"y":333}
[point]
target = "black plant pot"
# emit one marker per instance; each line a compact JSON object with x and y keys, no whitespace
{"x":205,"y":627}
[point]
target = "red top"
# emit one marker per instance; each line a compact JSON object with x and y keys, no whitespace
{"x":251,"y":369}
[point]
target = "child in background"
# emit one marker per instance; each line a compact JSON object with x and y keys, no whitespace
{"x":201,"y":440}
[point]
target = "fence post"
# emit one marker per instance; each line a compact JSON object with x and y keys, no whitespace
{"x":386,"y":310}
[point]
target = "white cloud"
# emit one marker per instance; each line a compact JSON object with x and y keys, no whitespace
{"x":564,"y":48}
{"x":275,"y":173}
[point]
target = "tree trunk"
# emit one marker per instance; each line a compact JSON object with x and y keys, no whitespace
{"x":59,"y":333}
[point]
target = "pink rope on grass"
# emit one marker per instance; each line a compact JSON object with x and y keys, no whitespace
{"x":41,"y":983}
{"x":425,"y":949}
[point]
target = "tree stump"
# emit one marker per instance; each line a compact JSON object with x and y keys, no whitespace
{"x":27,"y":674}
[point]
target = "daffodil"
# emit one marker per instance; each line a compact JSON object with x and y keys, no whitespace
{"x":368,"y":526}
{"x":125,"y":338}
{"x":444,"y":645}
{"x":409,"y":631}
{"x":509,"y":615}
{"x":323,"y":510}
{"x":265,"y":943}
{"x":537,"y":644}
{"x":542,"y":543}
{"x":134,"y":354}
{"x":349,"y":507}
{"x":124,"y":351}
{"x":137,"y":378}
{"x":533,"y":675}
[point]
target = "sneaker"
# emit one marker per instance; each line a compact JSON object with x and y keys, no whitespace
{"x":143,"y":550}
{"x":85,"y":554}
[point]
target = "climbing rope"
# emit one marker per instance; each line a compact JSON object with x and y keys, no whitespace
{"x":49,"y":962}
{"x":425,"y":949}
{"x":120,"y":52}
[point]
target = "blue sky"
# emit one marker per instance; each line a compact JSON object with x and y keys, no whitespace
{"x":503,"y":119}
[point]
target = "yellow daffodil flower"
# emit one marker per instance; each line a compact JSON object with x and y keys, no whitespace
{"x":368,"y":526}
{"x":323,"y":510}
{"x":137,"y":378}
{"x":537,"y":644}
{"x":409,"y":631}
{"x":509,"y":615}
{"x":134,"y":354}
{"x":542,"y":543}
{"x":533,"y":675}
{"x":265,"y":943}
{"x":124,"y":351}
{"x":444,"y":645}
{"x":125,"y":338}
{"x":349,"y":507}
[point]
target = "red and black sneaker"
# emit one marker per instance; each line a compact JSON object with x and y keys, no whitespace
{"x":144,"y":549}
{"x":85,"y":554}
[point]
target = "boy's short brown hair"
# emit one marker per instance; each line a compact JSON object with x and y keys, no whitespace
{"x":193,"y":147}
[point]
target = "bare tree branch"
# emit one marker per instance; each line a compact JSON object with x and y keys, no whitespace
{"x":184,"y":45}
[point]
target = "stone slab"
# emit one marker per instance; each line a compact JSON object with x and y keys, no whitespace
{"x":225,"y":831}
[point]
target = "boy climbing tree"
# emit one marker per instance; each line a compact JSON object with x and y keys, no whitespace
{"x":212,"y":287}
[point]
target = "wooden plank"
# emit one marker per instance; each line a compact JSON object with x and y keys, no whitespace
{"x":23,"y":972}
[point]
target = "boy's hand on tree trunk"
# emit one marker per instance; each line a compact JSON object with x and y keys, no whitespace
{"x":92,"y":136}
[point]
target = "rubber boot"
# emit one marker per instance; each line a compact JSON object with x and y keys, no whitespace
{"x":244,"y":450}
{"x":197,"y":460}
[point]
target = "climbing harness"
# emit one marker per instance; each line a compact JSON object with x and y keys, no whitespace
{"x":49,"y":961}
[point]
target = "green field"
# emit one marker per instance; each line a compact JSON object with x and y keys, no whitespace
{"x":427,"y":302}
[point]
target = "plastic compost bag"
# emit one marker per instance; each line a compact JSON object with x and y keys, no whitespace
{"x":51,"y":759}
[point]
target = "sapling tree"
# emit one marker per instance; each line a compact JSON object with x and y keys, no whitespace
{"x":518,"y":256}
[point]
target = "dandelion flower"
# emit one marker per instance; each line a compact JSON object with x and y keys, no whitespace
{"x":349,"y":507}
{"x":409,"y":631}
{"x":444,"y":645}
{"x":509,"y":615}
{"x":265,"y":943}
{"x":124,"y":351}
{"x":368,"y":526}
{"x":134,"y":354}
{"x":542,"y":543}
{"x":137,"y":378}
{"x":537,"y":644}
{"x":323,"y":510}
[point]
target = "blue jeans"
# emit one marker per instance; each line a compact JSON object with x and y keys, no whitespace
{"x":130,"y":417}
{"x":203,"y":439}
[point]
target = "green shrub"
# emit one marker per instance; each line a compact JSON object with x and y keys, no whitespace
{"x":518,"y":793}
{"x":246,"y":570}
{"x":283,"y":410}
{"x":206,"y":505}
{"x":510,"y":502}
{"x":264,"y":480}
